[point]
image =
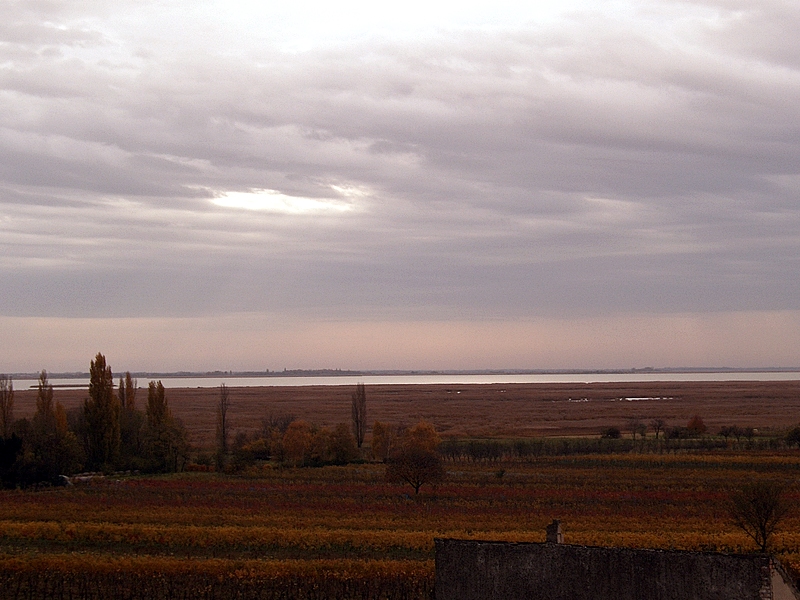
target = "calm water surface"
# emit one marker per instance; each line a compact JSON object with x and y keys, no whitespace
{"x":206,"y":382}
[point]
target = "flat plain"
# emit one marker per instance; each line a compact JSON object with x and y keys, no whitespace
{"x":490,"y":410}
{"x":273,"y":532}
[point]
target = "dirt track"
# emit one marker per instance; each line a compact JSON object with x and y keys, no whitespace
{"x":487,"y":410}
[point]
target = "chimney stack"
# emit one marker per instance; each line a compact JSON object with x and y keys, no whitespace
{"x":554,"y":534}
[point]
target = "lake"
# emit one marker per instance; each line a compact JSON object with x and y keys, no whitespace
{"x":451,"y":379}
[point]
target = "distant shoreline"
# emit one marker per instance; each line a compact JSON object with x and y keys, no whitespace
{"x":404,"y":373}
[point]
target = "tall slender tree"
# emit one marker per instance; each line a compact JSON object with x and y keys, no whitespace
{"x":222,"y":426}
{"x":55,"y":450}
{"x":127,"y":392}
{"x":158,"y":412}
{"x":359,"y":413}
{"x":102,"y":412}
{"x":130,"y":420}
{"x":166,"y":446}
{"x":6,"y":406}
{"x":44,"y":419}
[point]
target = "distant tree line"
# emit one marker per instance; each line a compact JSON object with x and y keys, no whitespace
{"x":411,"y":454}
{"x":293,"y":442}
{"x":288,"y":441}
{"x":107,"y":433}
{"x":691,"y":438}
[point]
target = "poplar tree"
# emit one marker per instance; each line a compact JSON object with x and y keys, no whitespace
{"x":157,"y":410}
{"x":222,"y":426}
{"x":6,"y":406}
{"x":56,"y":450}
{"x":131,"y":420}
{"x":359,"y":413}
{"x":44,"y":419}
{"x":102,"y":413}
{"x":127,"y":392}
{"x":166,"y":447}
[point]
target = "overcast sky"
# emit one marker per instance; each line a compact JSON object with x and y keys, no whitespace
{"x":231,"y":185}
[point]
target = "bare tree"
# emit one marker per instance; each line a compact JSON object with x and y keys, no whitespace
{"x":757,"y":508}
{"x":658,"y":425}
{"x":222,"y":426}
{"x":276,"y":422}
{"x":359,"y":413}
{"x":737,"y":432}
{"x":6,"y":406}
{"x":726,"y":432}
{"x":636,"y":426}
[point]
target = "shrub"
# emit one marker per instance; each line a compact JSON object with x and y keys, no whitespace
{"x":793,"y":437}
{"x":696,"y":426}
{"x":611,"y":433}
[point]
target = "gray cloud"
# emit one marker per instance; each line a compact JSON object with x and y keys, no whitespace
{"x":596,"y":164}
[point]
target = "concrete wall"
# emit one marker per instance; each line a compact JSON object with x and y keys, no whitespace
{"x":471,"y":570}
{"x":783,"y":588}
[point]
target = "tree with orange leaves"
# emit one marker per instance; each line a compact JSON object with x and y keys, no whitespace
{"x":415,"y":459}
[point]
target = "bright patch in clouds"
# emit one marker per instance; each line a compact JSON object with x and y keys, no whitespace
{"x":309,"y":24}
{"x":274,"y":201}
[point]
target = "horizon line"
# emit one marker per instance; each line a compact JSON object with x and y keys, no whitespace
{"x":267,"y":373}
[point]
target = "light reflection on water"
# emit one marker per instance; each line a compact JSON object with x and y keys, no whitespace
{"x":454,"y":379}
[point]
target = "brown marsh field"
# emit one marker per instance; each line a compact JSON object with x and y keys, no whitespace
{"x":344,"y":532}
{"x":490,"y":410}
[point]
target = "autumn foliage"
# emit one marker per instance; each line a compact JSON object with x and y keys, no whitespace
{"x":345,"y":532}
{"x":271,"y":527}
{"x":414,"y":458}
{"x":696,"y":426}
